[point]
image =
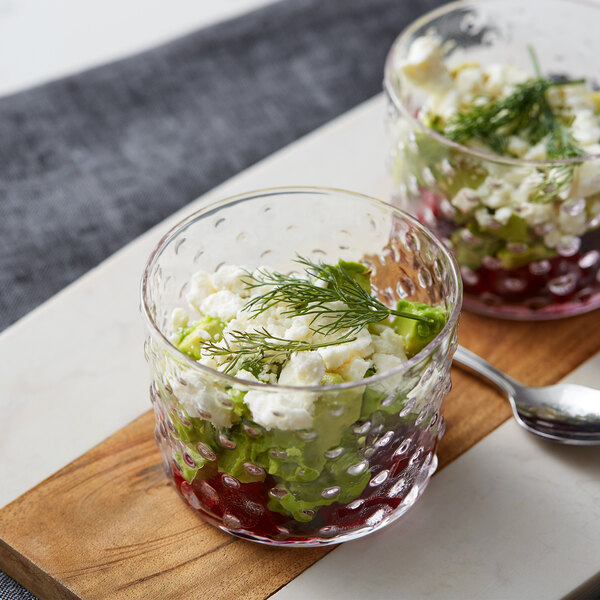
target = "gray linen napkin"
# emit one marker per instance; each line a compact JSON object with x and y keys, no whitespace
{"x":90,"y":162}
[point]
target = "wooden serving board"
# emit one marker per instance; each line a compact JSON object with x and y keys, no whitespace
{"x":109,"y":525}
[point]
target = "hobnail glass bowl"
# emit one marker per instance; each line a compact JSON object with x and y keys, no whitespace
{"x":430,"y":171}
{"x":374,"y":446}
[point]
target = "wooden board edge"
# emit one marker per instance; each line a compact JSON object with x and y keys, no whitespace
{"x":39,"y":583}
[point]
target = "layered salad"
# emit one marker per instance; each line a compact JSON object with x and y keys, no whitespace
{"x":525,"y":233}
{"x":299,"y":426}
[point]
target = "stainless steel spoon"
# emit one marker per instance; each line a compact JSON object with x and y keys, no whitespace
{"x":565,"y":413}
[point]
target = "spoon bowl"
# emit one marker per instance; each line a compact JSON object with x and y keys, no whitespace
{"x":565,"y":413}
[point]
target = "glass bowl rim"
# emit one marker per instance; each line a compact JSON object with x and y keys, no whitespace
{"x":401,"y":42}
{"x":206,"y":210}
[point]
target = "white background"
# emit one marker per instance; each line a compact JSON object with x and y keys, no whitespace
{"x":42,"y":40}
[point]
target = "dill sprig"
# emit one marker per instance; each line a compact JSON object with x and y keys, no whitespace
{"x":561,"y":144}
{"x":326,"y":285}
{"x":250,"y":350}
{"x":527,"y":111}
{"x":495,"y":120}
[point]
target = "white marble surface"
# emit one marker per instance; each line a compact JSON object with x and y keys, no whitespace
{"x":512,"y":518}
{"x":42,"y":40}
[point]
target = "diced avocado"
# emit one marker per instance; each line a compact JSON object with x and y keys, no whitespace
{"x":371,"y":402}
{"x":356,"y":271}
{"x":304,"y":499}
{"x":193,"y":429}
{"x":591,"y":205}
{"x":471,"y":254}
{"x":189,"y":472}
{"x":595,"y":96}
{"x":334,"y":413}
{"x":488,"y":242}
{"x":291,"y":455}
{"x":514,"y":260}
{"x":332,"y":379}
{"x":515,"y":230}
{"x":430,"y":150}
{"x":195,"y":336}
{"x":492,"y":242}
{"x":416,"y":333}
{"x":420,"y":157}
{"x":429,"y":155}
{"x":377,"y":400}
{"x":467,"y":176}
{"x":237,"y":397}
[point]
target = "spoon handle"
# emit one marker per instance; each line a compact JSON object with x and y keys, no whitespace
{"x":472,"y":362}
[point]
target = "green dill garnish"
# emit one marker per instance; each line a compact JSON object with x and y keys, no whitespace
{"x":254,"y":348}
{"x":526,"y":111}
{"x":326,"y":284}
{"x":336,"y":283}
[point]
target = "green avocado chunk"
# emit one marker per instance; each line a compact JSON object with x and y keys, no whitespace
{"x":493,"y":243}
{"x":189,"y":473}
{"x":417,"y":334}
{"x":514,"y":260}
{"x":356,"y":271}
{"x":471,"y":254}
{"x":332,"y":379}
{"x":515,"y":230}
{"x":193,"y":337}
{"x":302,"y":500}
{"x":191,"y":431}
{"x":375,"y":400}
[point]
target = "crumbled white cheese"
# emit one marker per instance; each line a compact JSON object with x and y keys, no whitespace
{"x":200,"y":398}
{"x":200,"y":287}
{"x":425,"y":64}
{"x":179,"y":318}
{"x":503,"y":214}
{"x":466,"y":199}
{"x":222,"y":305}
{"x":587,"y":176}
{"x":272,"y":320}
{"x":246,"y":376}
{"x":389,"y":342}
{"x":354,"y":369}
{"x":209,"y":361}
{"x":500,"y":79}
{"x":385,"y":362}
{"x":285,"y":410}
{"x":335,"y":357}
{"x":303,"y":369}
{"x":231,"y":278}
{"x":517,"y":146}
{"x":299,"y":328}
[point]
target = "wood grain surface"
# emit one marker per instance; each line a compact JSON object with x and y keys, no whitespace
{"x":109,"y":525}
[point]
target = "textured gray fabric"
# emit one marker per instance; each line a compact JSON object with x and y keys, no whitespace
{"x":11,"y":590}
{"x":90,"y":162}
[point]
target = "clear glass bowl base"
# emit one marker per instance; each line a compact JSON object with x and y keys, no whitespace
{"x":523,"y":313}
{"x":421,"y":482}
